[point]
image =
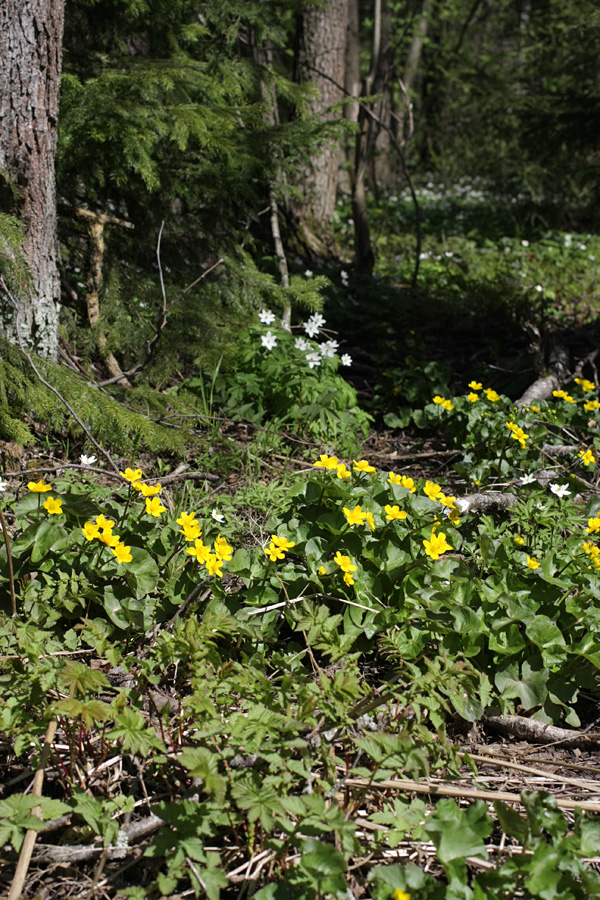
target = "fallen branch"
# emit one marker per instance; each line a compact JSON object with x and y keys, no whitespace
{"x":537,"y":732}
{"x":485,"y":501}
{"x":447,"y":790}
{"x":16,"y":888}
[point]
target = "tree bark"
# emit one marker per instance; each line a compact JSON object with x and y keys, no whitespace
{"x":320,"y":60}
{"x":31,"y":54}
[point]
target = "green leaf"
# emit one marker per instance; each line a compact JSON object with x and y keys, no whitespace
{"x":50,"y":537}
{"x":531,"y":688}
{"x":141,"y":573}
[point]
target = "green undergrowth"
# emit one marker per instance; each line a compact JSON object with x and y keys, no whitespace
{"x":266,"y":681}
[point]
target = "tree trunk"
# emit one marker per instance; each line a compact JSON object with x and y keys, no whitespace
{"x":320,"y":60}
{"x":31,"y":54}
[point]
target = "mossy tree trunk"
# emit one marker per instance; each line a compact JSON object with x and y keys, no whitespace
{"x":30,"y":53}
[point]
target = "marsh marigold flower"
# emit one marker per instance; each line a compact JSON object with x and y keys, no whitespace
{"x":53,"y":506}
{"x":342,"y":472}
{"x":432,"y":490}
{"x":90,"y":531}
{"x":103,"y":522}
{"x":344,"y":562}
{"x":348,"y":579}
{"x":199,"y":550}
{"x":131,"y":475}
{"x":491,"y":394}
{"x":326,"y":462}
{"x":475,"y":385}
{"x":593,"y":526}
{"x":187,"y":519}
{"x":532,"y":563}
{"x":585,"y":384}
{"x":562,"y":395}
{"x":191,"y":532}
{"x":362,"y":466}
{"x":282,"y":543}
{"x":394,"y":512}
{"x":354,"y":516}
{"x":122,"y":552}
{"x":39,"y":487}
{"x":154,"y":507}
{"x":399,"y":894}
{"x":274,"y":552}
{"x":148,"y":490}
{"x":436,"y":545}
{"x":587,"y":457}
{"x":222,"y":548}
{"x":473,"y":397}
{"x":213,"y":565}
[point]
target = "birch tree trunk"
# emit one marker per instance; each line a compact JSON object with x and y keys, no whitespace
{"x":320,"y":60}
{"x":30,"y":66}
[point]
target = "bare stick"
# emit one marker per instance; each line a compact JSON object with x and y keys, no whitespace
{"x":100,"y":449}
{"x":13,"y":598}
{"x":16,"y":888}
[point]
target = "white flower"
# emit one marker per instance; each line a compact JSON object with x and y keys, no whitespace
{"x":328,"y":348}
{"x":311,"y":328}
{"x":344,"y":278}
{"x":87,"y":460}
{"x":308,"y":273}
{"x":317,"y":319}
{"x":568,"y":240}
{"x":301,"y":344}
{"x":313,"y":359}
{"x":527,"y":479}
{"x":524,"y":243}
{"x":561,"y":490}
{"x":3,"y":485}
{"x":538,"y":288}
{"x":346,"y":359}
{"x":266,"y":316}
{"x":217,"y":516}
{"x":269,"y":340}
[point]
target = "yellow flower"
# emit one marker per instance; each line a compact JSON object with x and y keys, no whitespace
{"x":473,"y":397}
{"x":90,"y":531}
{"x":436,"y":545}
{"x":103,"y":522}
{"x":149,"y":490}
{"x":408,"y":483}
{"x":282,"y":543}
{"x":535,"y":409}
{"x":439,"y":400}
{"x":136,"y":485}
{"x":131,"y":475}
{"x":394,"y":479}
{"x":39,"y":487}
{"x":591,"y":405}
{"x":326,"y":462}
{"x":348,"y":579}
{"x":399,"y":894}
{"x":108,"y":538}
{"x":354,"y":516}
{"x":491,"y":395}
{"x":344,"y":562}
{"x":53,"y":506}
{"x":199,"y":550}
{"x":363,"y":466}
{"x":532,"y":562}
{"x":562,"y":395}
{"x":191,"y":532}
{"x":322,"y":570}
{"x":274,"y":552}
{"x":187,"y":519}
{"x":447,"y":404}
{"x":519,"y":541}
{"x":432,"y":490}
{"x":214,"y":564}
{"x":122,"y":552}
{"x":449,"y":502}
{"x":475,"y":385}
{"x":342,"y":471}
{"x":587,"y":457}
{"x":518,"y":434}
{"x":593,"y":526}
{"x":222,"y":548}
{"x":585,"y":384}
{"x":154,"y":507}
{"x":394,"y":512}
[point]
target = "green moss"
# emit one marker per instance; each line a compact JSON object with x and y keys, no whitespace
{"x":28,"y":409}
